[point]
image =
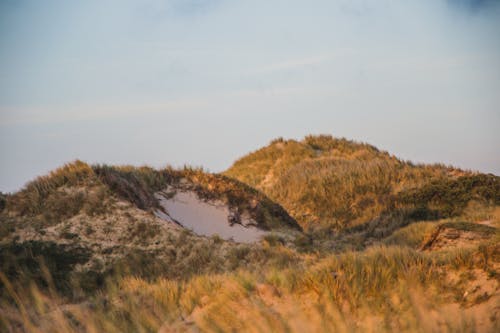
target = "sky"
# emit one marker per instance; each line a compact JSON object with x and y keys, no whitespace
{"x":204,"y":82}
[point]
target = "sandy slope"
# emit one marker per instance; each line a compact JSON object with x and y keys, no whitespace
{"x":206,"y":218}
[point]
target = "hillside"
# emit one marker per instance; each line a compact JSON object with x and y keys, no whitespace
{"x":326,"y":182}
{"x":97,"y":218}
{"x":319,"y":235}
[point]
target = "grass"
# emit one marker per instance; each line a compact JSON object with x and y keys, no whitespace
{"x":247,"y":288}
{"x":468,"y":226}
{"x":412,"y":235}
{"x":478,"y":231}
{"x":326,"y":182}
{"x":357,"y":266}
{"x":79,"y":267}
{"x":377,"y":289}
{"x":32,"y":198}
{"x":78,"y":187}
{"x":450,"y":197}
{"x":138,"y":186}
{"x":3,"y":201}
{"x":31,"y":261}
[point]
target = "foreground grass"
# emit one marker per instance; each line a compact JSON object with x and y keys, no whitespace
{"x":379,"y":289}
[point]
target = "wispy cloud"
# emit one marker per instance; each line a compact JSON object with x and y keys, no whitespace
{"x":215,"y":102}
{"x":189,"y":7}
{"x":293,"y":64}
{"x":40,"y":115}
{"x":184,"y":8}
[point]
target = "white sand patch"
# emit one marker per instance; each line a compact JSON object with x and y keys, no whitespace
{"x":206,"y":218}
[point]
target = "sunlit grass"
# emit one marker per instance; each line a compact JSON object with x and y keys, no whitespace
{"x":324,"y":181}
{"x":378,"y":289}
{"x":358,"y":267}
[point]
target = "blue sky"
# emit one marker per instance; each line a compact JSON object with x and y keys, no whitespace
{"x":204,"y":82}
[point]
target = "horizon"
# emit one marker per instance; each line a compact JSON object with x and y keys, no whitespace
{"x":166,"y":165}
{"x":204,"y":82}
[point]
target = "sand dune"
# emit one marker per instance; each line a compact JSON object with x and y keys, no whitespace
{"x":206,"y":218}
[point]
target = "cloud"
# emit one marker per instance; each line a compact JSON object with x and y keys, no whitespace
{"x":473,"y":6}
{"x":293,"y":64}
{"x":182,"y":8}
{"x":189,"y":7}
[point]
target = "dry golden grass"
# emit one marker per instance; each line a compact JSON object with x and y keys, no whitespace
{"x":368,"y":277}
{"x":412,"y":235}
{"x":328,"y":182}
{"x":379,"y":290}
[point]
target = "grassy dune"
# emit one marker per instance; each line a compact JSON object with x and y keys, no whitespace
{"x":381,"y":245}
{"x":336,"y":183}
{"x":51,"y":194}
{"x":379,"y":289}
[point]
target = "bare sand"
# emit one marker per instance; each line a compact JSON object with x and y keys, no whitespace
{"x":206,"y":218}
